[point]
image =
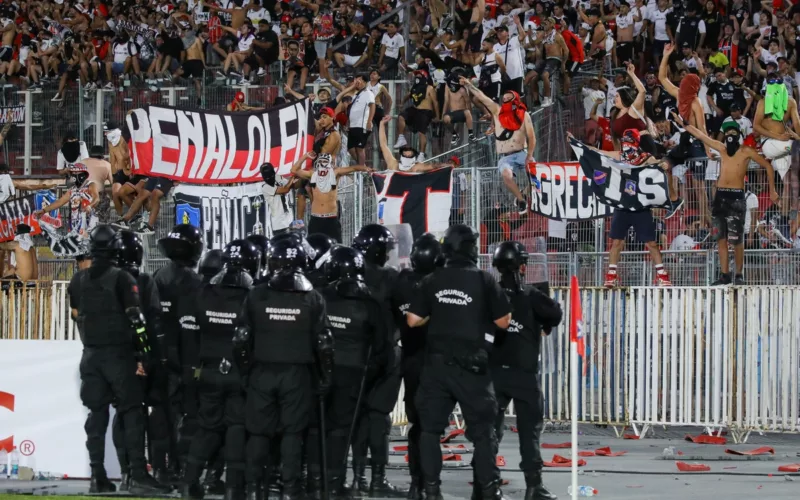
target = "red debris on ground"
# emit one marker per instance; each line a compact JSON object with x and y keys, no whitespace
{"x":452,"y":435}
{"x":789,"y":468}
{"x":695,"y":467}
{"x":704,"y":439}
{"x":559,"y":461}
{"x":630,"y":436}
{"x":586,"y":454}
{"x":606,"y":452}
{"x":558,"y":446}
{"x":764,"y":450}
{"x":501,"y":461}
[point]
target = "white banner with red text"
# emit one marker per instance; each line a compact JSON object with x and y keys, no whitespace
{"x":200,"y":147}
{"x":41,"y":411}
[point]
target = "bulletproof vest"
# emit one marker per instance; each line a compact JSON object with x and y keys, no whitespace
{"x":101,"y":317}
{"x":283,"y":325}
{"x":350,"y":323}
{"x":317,"y":278}
{"x":412,"y":339}
{"x":380,"y":281}
{"x":176,"y":283}
{"x":521,"y":343}
{"x":151,"y":308}
{"x":460,"y":322}
{"x":217,"y":310}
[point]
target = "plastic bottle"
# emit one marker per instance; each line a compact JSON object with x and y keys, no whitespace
{"x":583,"y":491}
{"x":3,"y":464}
{"x":14,"y":472}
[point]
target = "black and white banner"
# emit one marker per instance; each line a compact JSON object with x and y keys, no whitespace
{"x":421,"y":200}
{"x":223,"y":214}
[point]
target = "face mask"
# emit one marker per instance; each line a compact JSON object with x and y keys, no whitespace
{"x":268,"y":174}
{"x":114,"y":136}
{"x":71,"y":151}
{"x":407,"y":163}
{"x":79,"y":178}
{"x":731,"y":144}
{"x":24,"y":240}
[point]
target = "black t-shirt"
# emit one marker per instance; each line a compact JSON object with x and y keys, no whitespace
{"x":269,"y":55}
{"x":690,"y":31}
{"x":725,"y":94}
{"x":357,"y":45}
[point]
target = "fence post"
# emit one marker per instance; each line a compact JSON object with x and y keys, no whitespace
{"x":28,"y":129}
{"x":358,"y":196}
{"x":476,"y":205}
{"x":100,"y":96}
{"x":81,"y":124}
{"x":406,"y":30}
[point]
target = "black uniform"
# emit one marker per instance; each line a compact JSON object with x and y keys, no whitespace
{"x":462,"y":302}
{"x":101,"y":295}
{"x":176,"y":281}
{"x":220,"y":390}
{"x":284,"y":326}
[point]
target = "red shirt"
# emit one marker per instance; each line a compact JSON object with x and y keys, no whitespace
{"x":101,"y":48}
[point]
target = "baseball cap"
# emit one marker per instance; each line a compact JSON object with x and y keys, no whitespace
{"x":686,"y":45}
{"x":502,"y":27}
{"x":738,"y":72}
{"x":327,"y":111}
{"x":586,"y":26}
{"x":734,"y":107}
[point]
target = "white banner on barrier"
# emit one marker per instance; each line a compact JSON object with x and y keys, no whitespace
{"x":40,"y":407}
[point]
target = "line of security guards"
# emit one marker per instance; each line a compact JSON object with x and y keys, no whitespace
{"x":285,"y":351}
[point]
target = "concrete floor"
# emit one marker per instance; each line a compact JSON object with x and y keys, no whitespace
{"x":641,"y":473}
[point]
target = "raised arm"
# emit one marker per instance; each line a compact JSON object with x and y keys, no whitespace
{"x":388,"y":157}
{"x":641,"y":92}
{"x":297,"y":168}
{"x":663,"y":77}
{"x":482,"y":98}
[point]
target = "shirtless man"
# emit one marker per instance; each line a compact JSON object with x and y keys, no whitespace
{"x":408,"y":155}
{"x":516,"y":141}
{"x":9,"y":30}
{"x":729,"y":208}
{"x":323,"y":177}
{"x":424,"y":109}
{"x":100,"y":173}
{"x":556,"y":54}
{"x":195,"y":63}
{"x":24,"y":265}
{"x":457,"y":106}
{"x":625,"y":20}
{"x":777,"y":136}
{"x":124,"y":187}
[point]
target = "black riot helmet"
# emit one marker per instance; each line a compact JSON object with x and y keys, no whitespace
{"x":101,"y":242}
{"x":183,"y":243}
{"x":129,"y":249}
{"x":210,"y":264}
{"x":322,"y":245}
{"x":287,"y":256}
{"x":509,"y":257}
{"x":460,"y":242}
{"x":297,"y":237}
{"x":262,"y":245}
{"x":375,"y":242}
{"x":345,"y":263}
{"x":268,"y":173}
{"x":426,"y":254}
{"x":242,"y":255}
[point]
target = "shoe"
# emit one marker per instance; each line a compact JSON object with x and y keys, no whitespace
{"x":100,"y":482}
{"x":360,"y":484}
{"x":235,"y":74}
{"x":612,"y":280}
{"x":416,"y":489}
{"x":455,"y":140}
{"x":192,"y":491}
{"x":109,"y":86}
{"x":91,"y":86}
{"x":421,"y":157}
{"x":522,"y":206}
{"x":472,"y":136}
{"x":145,"y":228}
{"x":57,"y":98}
{"x":320,"y":81}
{"x":314,"y":486}
{"x":674,"y":206}
{"x":433,"y":491}
{"x":167,"y":478}
{"x":401,"y":141}
{"x":122,"y":224}
{"x":738,"y":280}
{"x":215,"y":486}
{"x":125,"y":482}
{"x":146,"y":485}
{"x":381,"y":487}
{"x":724,"y":279}
{"x":493,"y":492}
{"x":547,"y":101}
{"x":219,"y":74}
{"x":535,"y":490}
{"x":662,"y":279}
{"x":261,"y":72}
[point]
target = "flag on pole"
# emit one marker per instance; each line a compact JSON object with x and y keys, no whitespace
{"x":576,"y":317}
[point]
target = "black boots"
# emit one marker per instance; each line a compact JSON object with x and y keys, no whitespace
{"x":492,"y":492}
{"x":432,"y":491}
{"x":100,"y":482}
{"x":534,"y":489}
{"x":360,"y":484}
{"x":255,"y":491}
{"x":416,"y":489}
{"x":125,"y":482}
{"x":143,"y":484}
{"x":381,"y":487}
{"x":234,"y":493}
{"x":313,"y":486}
{"x":192,"y":491}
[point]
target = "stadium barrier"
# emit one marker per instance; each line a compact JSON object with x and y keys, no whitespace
{"x":684,"y":356}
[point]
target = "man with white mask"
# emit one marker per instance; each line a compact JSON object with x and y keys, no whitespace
{"x":407,"y":162}
{"x":24,"y":266}
{"x":72,"y":151}
{"x":124,"y":187}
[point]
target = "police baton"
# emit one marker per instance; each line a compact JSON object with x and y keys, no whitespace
{"x":323,"y":448}
{"x":358,"y":407}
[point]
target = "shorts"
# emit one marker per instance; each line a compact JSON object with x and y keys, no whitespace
{"x":378,"y":116}
{"x":515,"y":85}
{"x":160,"y":183}
{"x":513,"y":161}
{"x":459,"y":116}
{"x":780,"y":152}
{"x":252,"y":61}
{"x":551,"y":66}
{"x":6,"y":53}
{"x":573,"y":67}
{"x":624,"y":52}
{"x":642,"y":223}
{"x":193,"y":69}
{"x":329,"y":226}
{"x":727,"y":214}
{"x":357,"y":138}
{"x":390,"y":63}
{"x":321,"y":48}
{"x":492,"y":90}
{"x":351,"y":60}
{"x":121,"y":178}
{"x":686,"y":150}
{"x":136,"y":179}
{"x":658,"y":47}
{"x":417,"y":119}
{"x":117,"y":68}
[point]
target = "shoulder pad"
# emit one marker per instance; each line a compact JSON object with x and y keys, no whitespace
{"x":352,"y":289}
{"x":290,"y":282}
{"x":235,"y":279}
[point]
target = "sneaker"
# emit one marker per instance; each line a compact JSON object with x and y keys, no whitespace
{"x":674,"y":206}
{"x":612,"y":280}
{"x":122,"y":224}
{"x":662,"y":279}
{"x":320,"y":81}
{"x":244,"y":82}
{"x":109,"y":86}
{"x":421,"y":158}
{"x":261,"y":72}
{"x":738,"y":280}
{"x":219,"y":74}
{"x":401,"y":141}
{"x":91,"y":86}
{"x":547,"y":101}
{"x":455,"y":140}
{"x":724,"y":279}
{"x":522,"y":206}
{"x":145,"y":228}
{"x":235,"y":74}
{"x":472,"y":136}
{"x":85,"y":94}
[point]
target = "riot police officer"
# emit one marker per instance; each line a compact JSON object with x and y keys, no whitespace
{"x":322,"y":244}
{"x":129,"y":253}
{"x":426,"y":256}
{"x":105,"y":304}
{"x":284,"y":333}
{"x":515,"y":361}
{"x":210,"y":265}
{"x":375,"y":242}
{"x":462,"y":305}
{"x":262,"y":245}
{"x":220,"y":393}
{"x":183,"y":246}
{"x":360,"y":336}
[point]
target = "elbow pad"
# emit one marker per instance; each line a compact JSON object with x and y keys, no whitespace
{"x":242,"y":349}
{"x":139,"y":325}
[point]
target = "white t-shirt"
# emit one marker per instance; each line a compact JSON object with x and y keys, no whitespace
{"x":488,"y":25}
{"x":61,"y":163}
{"x":659,"y":20}
{"x":359,"y":109}
{"x":745,"y":125}
{"x":376,"y":90}
{"x":768,"y":57}
{"x":512,"y":55}
{"x":258,"y":15}
{"x":245,"y":41}
{"x":637,"y":25}
{"x":589,"y":97}
{"x":751,"y":201}
{"x":690,"y":63}
{"x":682,"y":242}
{"x":280,"y":213}
{"x":393,"y":44}
{"x":624,"y":21}
{"x":123,"y":51}
{"x":6,"y":187}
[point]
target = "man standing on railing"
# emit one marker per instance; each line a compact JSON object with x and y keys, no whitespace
{"x":516,"y":141}
{"x":424,"y":110}
{"x":23,"y":263}
{"x":729,"y":207}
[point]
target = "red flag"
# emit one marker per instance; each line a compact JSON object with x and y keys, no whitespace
{"x":576,"y":316}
